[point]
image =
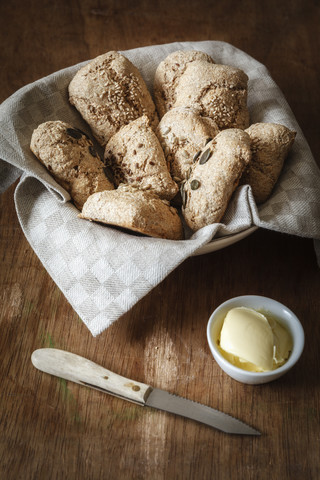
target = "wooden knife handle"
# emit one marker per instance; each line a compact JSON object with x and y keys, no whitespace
{"x":80,"y":370}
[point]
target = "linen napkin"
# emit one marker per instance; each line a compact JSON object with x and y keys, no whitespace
{"x":102,"y":271}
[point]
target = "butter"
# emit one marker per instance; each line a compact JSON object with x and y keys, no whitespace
{"x":253,"y":341}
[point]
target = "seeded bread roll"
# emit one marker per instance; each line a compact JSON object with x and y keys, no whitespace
{"x":215,"y":91}
{"x":214,"y":178}
{"x":182,"y":133}
{"x":135,"y":157}
{"x":70,"y":157}
{"x":168,"y":74}
{"x":270,"y":145}
{"x":133,"y":209}
{"x":109,"y":92}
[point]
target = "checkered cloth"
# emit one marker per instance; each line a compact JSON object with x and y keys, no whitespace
{"x":102,"y":271}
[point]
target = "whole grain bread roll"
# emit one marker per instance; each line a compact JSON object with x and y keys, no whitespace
{"x":70,"y":157}
{"x":215,"y":91}
{"x":136,"y":158}
{"x":133,"y":209}
{"x":270,"y":145}
{"x":214,"y":178}
{"x":182,"y":134}
{"x":109,"y":92}
{"x":168,"y":74}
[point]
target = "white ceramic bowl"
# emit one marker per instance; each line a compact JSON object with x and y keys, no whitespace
{"x":285,"y":316}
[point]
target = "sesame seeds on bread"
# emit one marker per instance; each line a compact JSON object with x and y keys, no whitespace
{"x":168,"y":74}
{"x":215,"y":91}
{"x":203,"y":144}
{"x":192,"y":79}
{"x":109,"y":92}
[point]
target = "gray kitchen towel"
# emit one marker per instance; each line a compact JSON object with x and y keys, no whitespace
{"x":102,"y":271}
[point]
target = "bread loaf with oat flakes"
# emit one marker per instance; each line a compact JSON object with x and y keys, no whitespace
{"x":71,"y":159}
{"x":109,"y":92}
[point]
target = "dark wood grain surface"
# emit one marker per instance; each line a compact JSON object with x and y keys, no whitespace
{"x":51,"y":429}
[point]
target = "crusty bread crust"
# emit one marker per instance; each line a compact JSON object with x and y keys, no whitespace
{"x":215,"y":91}
{"x":135,"y":156}
{"x":136,"y":210}
{"x":70,"y":157}
{"x":203,"y":145}
{"x":109,"y":92}
{"x":182,"y":133}
{"x":270,"y":145}
{"x":214,"y":178}
{"x":168,"y":74}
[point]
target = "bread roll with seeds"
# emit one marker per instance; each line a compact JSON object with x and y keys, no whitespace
{"x":70,"y":157}
{"x":270,"y":145}
{"x":168,"y":74}
{"x":215,"y":91}
{"x":182,"y":134}
{"x":135,"y":157}
{"x":136,"y":210}
{"x":109,"y":92}
{"x":214,"y":178}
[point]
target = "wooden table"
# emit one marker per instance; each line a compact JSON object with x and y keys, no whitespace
{"x":51,"y":429}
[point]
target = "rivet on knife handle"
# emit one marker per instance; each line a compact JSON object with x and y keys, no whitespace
{"x":80,"y":370}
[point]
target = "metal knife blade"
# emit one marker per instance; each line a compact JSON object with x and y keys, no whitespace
{"x":196,"y":411}
{"x":80,"y":370}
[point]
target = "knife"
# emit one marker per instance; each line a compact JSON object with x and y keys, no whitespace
{"x":80,"y":370}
